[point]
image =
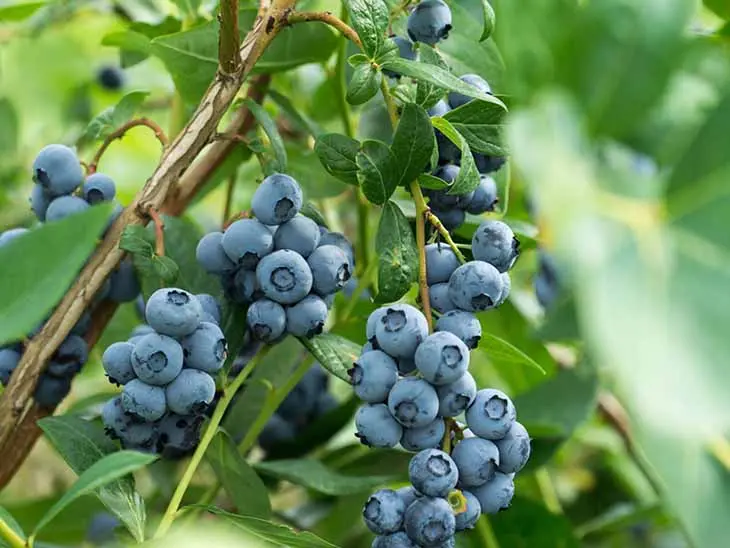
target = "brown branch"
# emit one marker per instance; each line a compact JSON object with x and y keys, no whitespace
{"x":328,"y":18}
{"x":199,"y":174}
{"x":175,"y":161}
{"x":230,"y":187}
{"x":159,"y":232}
{"x":228,"y":39}
{"x":121,"y":132}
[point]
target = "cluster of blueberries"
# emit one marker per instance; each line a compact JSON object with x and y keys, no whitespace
{"x":414,"y":385}
{"x":61,"y":190}
{"x":281,"y":264}
{"x":167,"y":371}
{"x":478,"y":285}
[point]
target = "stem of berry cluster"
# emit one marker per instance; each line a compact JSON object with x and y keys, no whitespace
{"x":421,"y":209}
{"x":325,"y":17}
{"x":210,"y":431}
{"x":159,"y":231}
{"x":121,"y":132}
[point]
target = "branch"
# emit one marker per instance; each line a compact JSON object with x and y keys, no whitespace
{"x":121,"y":132}
{"x":228,"y":39}
{"x":159,"y":232}
{"x":175,"y":160}
{"x":421,"y":210}
{"x":438,"y":225}
{"x":328,"y":18}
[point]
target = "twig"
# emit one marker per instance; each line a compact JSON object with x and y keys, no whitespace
{"x":159,"y":231}
{"x":229,"y":60}
{"x":389,"y":103}
{"x":325,"y":17}
{"x":121,"y":132}
{"x":176,"y":160}
{"x":210,"y":432}
{"x":421,"y":243}
{"x":230,"y":187}
{"x":436,"y":223}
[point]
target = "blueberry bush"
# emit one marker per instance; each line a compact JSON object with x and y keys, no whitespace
{"x":364,"y":273}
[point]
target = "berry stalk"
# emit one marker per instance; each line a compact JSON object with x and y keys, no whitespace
{"x":421,"y":210}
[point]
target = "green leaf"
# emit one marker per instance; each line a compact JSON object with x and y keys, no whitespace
{"x":19,"y":12}
{"x":9,"y":128}
{"x":364,"y":84}
{"x":188,"y":8}
{"x":165,"y":269}
{"x":412,"y":143}
{"x":397,"y":258}
{"x":314,"y":475}
{"x":336,"y":354}
{"x":338,"y":156}
{"x":370,"y":20}
{"x":310,"y":210}
{"x":243,"y":485}
{"x":191,"y":56}
{"x":29,"y":293}
{"x":437,"y":76}
{"x":10,"y":521}
{"x":358,"y":59}
{"x":101,"y":473}
{"x":279,"y":535}
{"x":428,"y":94}
{"x":81,"y":444}
{"x":378,"y":173}
{"x":135,"y":43}
{"x":113,"y":117}
{"x":502,"y":350}
{"x":488,"y":20}
{"x":468,"y":177}
{"x":300,"y":120}
{"x":431,"y":182}
{"x":529,"y":523}
{"x":719,"y":7}
{"x":272,"y":132}
{"x":137,"y":240}
{"x":481,"y":124}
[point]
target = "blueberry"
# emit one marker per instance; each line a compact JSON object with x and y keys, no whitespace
{"x":400,"y":330}
{"x":477,"y":460}
{"x":325,"y":403}
{"x":117,"y":210}
{"x":39,"y":201}
{"x":394,"y":540}
{"x":173,"y":312}
{"x":462,"y":324}
{"x":485,"y":196}
{"x":50,"y":391}
{"x":339,"y":240}
{"x":140,"y":436}
{"x":277,"y":199}
{"x":408,"y":494}
{"x":266,"y":320}
{"x":307,"y":317}
{"x":63,"y":206}
{"x":190,"y":393}
{"x":142,"y":330}
{"x":383,"y":512}
{"x":157,"y":359}
{"x":496,"y":494}
{"x":144,"y":400}
{"x":211,"y":255}
{"x":433,"y":473}
{"x":210,"y":306}
{"x":301,"y":234}
{"x":456,"y":397}
{"x":9,"y":359}
{"x":547,"y":281}
{"x":300,"y":402}
{"x":506,"y":288}
{"x":205,"y":348}
{"x":246,"y":242}
{"x":451,"y":218}
{"x":425,"y":437}
{"x":372,"y":322}
{"x":441,"y":199}
{"x":114,"y":418}
{"x":178,"y":435}
{"x":330,"y":268}
{"x":124,"y":284}
{"x":101,"y":529}
{"x":406,"y":366}
{"x":488,"y":164}
{"x":495,"y":243}
{"x":284,"y":276}
{"x":491,"y":414}
{"x":83,"y":324}
{"x":9,"y":235}
{"x":441,"y":262}
{"x":438,"y":296}
{"x":430,"y":522}
{"x":429,"y":22}
{"x":457,"y":99}
{"x":449,"y":153}
{"x":475,"y":286}
{"x":405,"y":51}
{"x":514,"y":449}
{"x":110,"y":78}
{"x":373,"y":375}
{"x":376,"y":427}
{"x":117,"y":362}
{"x":58,"y":170}
{"x":277,"y":431}
{"x":70,"y":356}
{"x":241,"y":287}
{"x":468,"y":518}
{"x":442,"y":358}
{"x":439,"y":109}
{"x":413,"y":402}
{"x":99,"y":188}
